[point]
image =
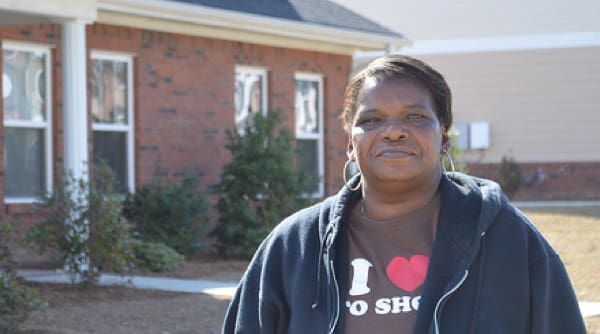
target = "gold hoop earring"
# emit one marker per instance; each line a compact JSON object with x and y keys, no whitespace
{"x":344,"y":173}
{"x":446,"y":156}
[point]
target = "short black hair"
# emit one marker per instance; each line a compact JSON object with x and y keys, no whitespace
{"x":394,"y":66}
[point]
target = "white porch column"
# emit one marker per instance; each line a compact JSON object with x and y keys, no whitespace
{"x":75,"y":131}
{"x":75,"y":109}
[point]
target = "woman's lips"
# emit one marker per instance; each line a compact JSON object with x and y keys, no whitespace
{"x":395,"y":154}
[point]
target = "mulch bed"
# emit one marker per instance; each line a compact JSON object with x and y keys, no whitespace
{"x":121,"y":309}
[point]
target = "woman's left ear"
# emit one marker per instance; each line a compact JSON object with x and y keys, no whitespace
{"x":445,"y":141}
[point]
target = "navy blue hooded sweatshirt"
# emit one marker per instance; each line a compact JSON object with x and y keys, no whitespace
{"x":490,"y":271}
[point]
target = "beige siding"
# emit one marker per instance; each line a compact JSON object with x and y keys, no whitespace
{"x":543,"y":105}
{"x":437,"y":19}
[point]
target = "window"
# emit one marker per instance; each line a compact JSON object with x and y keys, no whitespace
{"x":472,"y":136}
{"x":461,"y":131}
{"x":309,"y":126}
{"x":250,"y":94}
{"x":112,"y":113}
{"x":27,"y":121}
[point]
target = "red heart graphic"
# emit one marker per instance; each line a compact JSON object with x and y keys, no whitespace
{"x":408,"y":275}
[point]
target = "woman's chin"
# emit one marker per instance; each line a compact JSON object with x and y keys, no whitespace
{"x":403,"y":174}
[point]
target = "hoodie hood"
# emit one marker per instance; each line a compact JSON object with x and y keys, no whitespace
{"x":483,"y":198}
{"x":469,"y":207}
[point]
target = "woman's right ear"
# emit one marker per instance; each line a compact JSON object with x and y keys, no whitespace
{"x":350,"y":151}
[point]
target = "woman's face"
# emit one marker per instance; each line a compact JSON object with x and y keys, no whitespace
{"x":396,"y":136}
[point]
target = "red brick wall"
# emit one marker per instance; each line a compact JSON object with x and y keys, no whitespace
{"x":550,"y":181}
{"x":184,"y":96}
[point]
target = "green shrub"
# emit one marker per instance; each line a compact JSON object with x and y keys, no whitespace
{"x":83,"y":222}
{"x":16,"y":302}
{"x":172,"y":214}
{"x":6,"y":231}
{"x":510,"y":176}
{"x":261,"y":185}
{"x":156,"y":257}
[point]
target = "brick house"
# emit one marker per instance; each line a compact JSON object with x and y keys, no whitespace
{"x":133,"y":82}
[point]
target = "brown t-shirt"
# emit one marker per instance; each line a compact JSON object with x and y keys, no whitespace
{"x":388,"y":262}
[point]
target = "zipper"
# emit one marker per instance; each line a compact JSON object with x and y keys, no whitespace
{"x":337,"y":298}
{"x":444,"y":298}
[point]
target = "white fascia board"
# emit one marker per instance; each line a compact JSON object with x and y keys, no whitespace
{"x":234,"y":21}
{"x":83,"y":10}
{"x":504,"y":43}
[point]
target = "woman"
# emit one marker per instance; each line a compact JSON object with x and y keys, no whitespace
{"x":404,"y":247}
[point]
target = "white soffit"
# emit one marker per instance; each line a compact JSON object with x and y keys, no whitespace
{"x":205,"y":21}
{"x":83,"y":10}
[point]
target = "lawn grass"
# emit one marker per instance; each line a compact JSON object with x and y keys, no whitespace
{"x":574,"y":232}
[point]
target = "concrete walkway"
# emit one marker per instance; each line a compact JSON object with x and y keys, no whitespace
{"x":214,"y":288}
{"x":222,"y":289}
{"x":552,"y":204}
{"x":589,"y":309}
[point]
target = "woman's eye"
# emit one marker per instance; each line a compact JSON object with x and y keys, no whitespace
{"x":368,"y":121}
{"x":416,"y":116}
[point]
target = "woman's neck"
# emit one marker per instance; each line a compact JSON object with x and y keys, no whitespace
{"x":385,"y":204}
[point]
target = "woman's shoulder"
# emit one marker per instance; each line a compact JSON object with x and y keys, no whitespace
{"x":516,"y":228}
{"x":292,"y":238}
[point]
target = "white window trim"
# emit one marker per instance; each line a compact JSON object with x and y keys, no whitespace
{"x":318,"y":136}
{"x":129,"y":128}
{"x":27,"y":46}
{"x":25,"y":124}
{"x":104,"y":54}
{"x":47,"y":125}
{"x":260,"y":71}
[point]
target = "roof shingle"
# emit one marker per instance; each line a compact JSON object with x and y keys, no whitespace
{"x":320,"y":12}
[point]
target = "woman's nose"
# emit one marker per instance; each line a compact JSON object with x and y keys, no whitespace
{"x":394,"y":131}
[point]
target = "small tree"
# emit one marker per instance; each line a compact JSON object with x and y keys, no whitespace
{"x":510,"y":176}
{"x":84,"y":223}
{"x":261,"y":185}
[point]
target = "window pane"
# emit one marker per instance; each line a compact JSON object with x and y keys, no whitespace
{"x":307,"y":157}
{"x":24,"y":85}
{"x":307,"y":107}
{"x":24,"y":160}
{"x":110,"y":148}
{"x":109,"y":91}
{"x":248,"y":97}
